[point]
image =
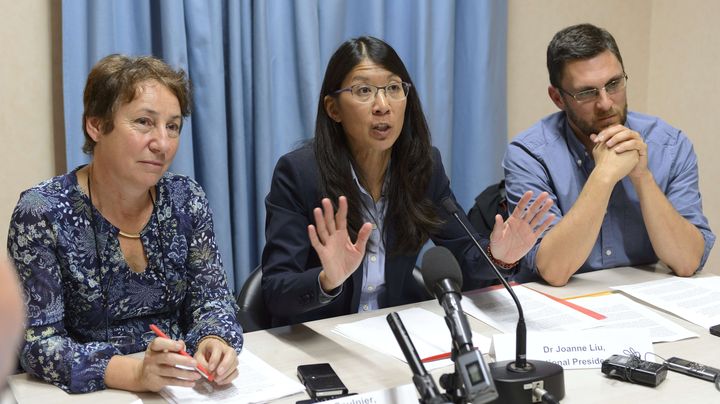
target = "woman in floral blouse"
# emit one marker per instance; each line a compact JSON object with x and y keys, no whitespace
{"x":114,"y":246}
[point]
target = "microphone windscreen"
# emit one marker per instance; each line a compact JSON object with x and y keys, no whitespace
{"x":439,"y":263}
{"x":449,"y":205}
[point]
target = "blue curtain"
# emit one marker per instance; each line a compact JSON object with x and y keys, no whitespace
{"x":256,"y":67}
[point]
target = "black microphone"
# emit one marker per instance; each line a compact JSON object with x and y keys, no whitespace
{"x":471,"y":381}
{"x":424,"y":383}
{"x":521,"y":330}
{"x":515,"y":380}
{"x":443,"y":279}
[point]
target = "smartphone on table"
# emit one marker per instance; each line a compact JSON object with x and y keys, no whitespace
{"x":321,"y":381}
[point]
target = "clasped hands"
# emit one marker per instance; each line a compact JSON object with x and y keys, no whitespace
{"x":510,"y":240}
{"x":620,"y":152}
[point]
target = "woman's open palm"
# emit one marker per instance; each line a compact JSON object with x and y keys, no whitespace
{"x":512,"y":239}
{"x":339,"y":256}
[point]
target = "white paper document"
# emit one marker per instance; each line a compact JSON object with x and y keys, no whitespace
{"x":256,"y":382}
{"x":585,"y":349}
{"x":622,"y":312}
{"x":497,"y":309}
{"x":694,"y":299}
{"x":427,"y":330}
{"x":405,"y":393}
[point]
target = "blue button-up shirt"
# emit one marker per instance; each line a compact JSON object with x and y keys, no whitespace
{"x":373,"y":266}
{"x":372,"y":294}
{"x":548,"y":157}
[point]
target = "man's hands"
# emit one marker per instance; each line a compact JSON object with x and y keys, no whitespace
{"x":620,"y":152}
{"x":339,"y":256}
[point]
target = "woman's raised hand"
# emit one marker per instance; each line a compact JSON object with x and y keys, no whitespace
{"x":512,"y":239}
{"x":339,"y":256}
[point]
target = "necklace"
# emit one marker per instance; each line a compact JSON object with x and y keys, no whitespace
{"x":107,"y":285}
{"x":133,"y":236}
{"x":128,"y":235}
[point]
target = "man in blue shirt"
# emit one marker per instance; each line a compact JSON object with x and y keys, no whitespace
{"x":625,"y":184}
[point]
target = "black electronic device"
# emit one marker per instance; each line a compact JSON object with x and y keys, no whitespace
{"x":715,"y":330}
{"x":691,"y":368}
{"x":321,"y":381}
{"x":476,"y":374}
{"x":471,"y":382}
{"x":634,"y":370}
{"x":518,"y":381}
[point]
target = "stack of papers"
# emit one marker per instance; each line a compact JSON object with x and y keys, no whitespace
{"x":427,"y":330}
{"x":496,"y":308}
{"x":256,"y":382}
{"x":622,"y":313}
{"x":694,"y":299}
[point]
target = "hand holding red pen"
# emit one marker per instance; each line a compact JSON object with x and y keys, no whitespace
{"x":182,"y":352}
{"x":215,"y":360}
{"x":162,"y":365}
{"x":219,"y":358}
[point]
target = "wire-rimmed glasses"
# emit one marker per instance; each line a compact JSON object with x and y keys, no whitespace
{"x":396,"y":91}
{"x":592,"y":94}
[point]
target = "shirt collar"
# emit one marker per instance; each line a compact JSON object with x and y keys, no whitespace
{"x":385,"y":181}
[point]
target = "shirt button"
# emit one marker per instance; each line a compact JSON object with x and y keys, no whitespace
{"x":370,"y":288}
{"x":366,"y":307}
{"x":608,"y":252}
{"x":373,"y":258}
{"x":374,"y":226}
{"x":579,"y":162}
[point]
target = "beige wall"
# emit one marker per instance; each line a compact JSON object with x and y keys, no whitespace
{"x":670,"y":50}
{"x":685,"y":90}
{"x":29,"y":117}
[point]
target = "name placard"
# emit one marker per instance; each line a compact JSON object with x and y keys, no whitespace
{"x":576,"y":349}
{"x":400,"y":394}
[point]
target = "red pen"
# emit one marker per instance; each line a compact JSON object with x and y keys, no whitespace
{"x":438,"y":357}
{"x":199,"y":367}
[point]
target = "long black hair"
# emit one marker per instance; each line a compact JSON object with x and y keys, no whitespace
{"x":409,"y":212}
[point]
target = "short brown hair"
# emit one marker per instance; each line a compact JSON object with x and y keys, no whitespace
{"x":578,"y":42}
{"x":114,"y":80}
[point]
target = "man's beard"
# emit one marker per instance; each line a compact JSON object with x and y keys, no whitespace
{"x":586,"y":128}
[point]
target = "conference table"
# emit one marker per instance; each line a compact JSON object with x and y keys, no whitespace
{"x":363,"y":370}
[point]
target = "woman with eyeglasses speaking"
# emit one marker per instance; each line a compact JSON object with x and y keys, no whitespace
{"x":114,"y":246}
{"x":348,"y":213}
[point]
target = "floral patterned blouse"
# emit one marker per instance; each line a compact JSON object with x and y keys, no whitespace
{"x":83,"y":308}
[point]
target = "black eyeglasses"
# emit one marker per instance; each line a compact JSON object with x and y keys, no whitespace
{"x":367,"y":92}
{"x":592,"y":94}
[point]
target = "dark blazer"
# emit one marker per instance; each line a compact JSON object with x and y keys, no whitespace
{"x":291,"y":265}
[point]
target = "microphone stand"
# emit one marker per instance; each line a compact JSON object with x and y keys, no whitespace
{"x":518,"y":381}
{"x":424,"y":383}
{"x":471,"y":382}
